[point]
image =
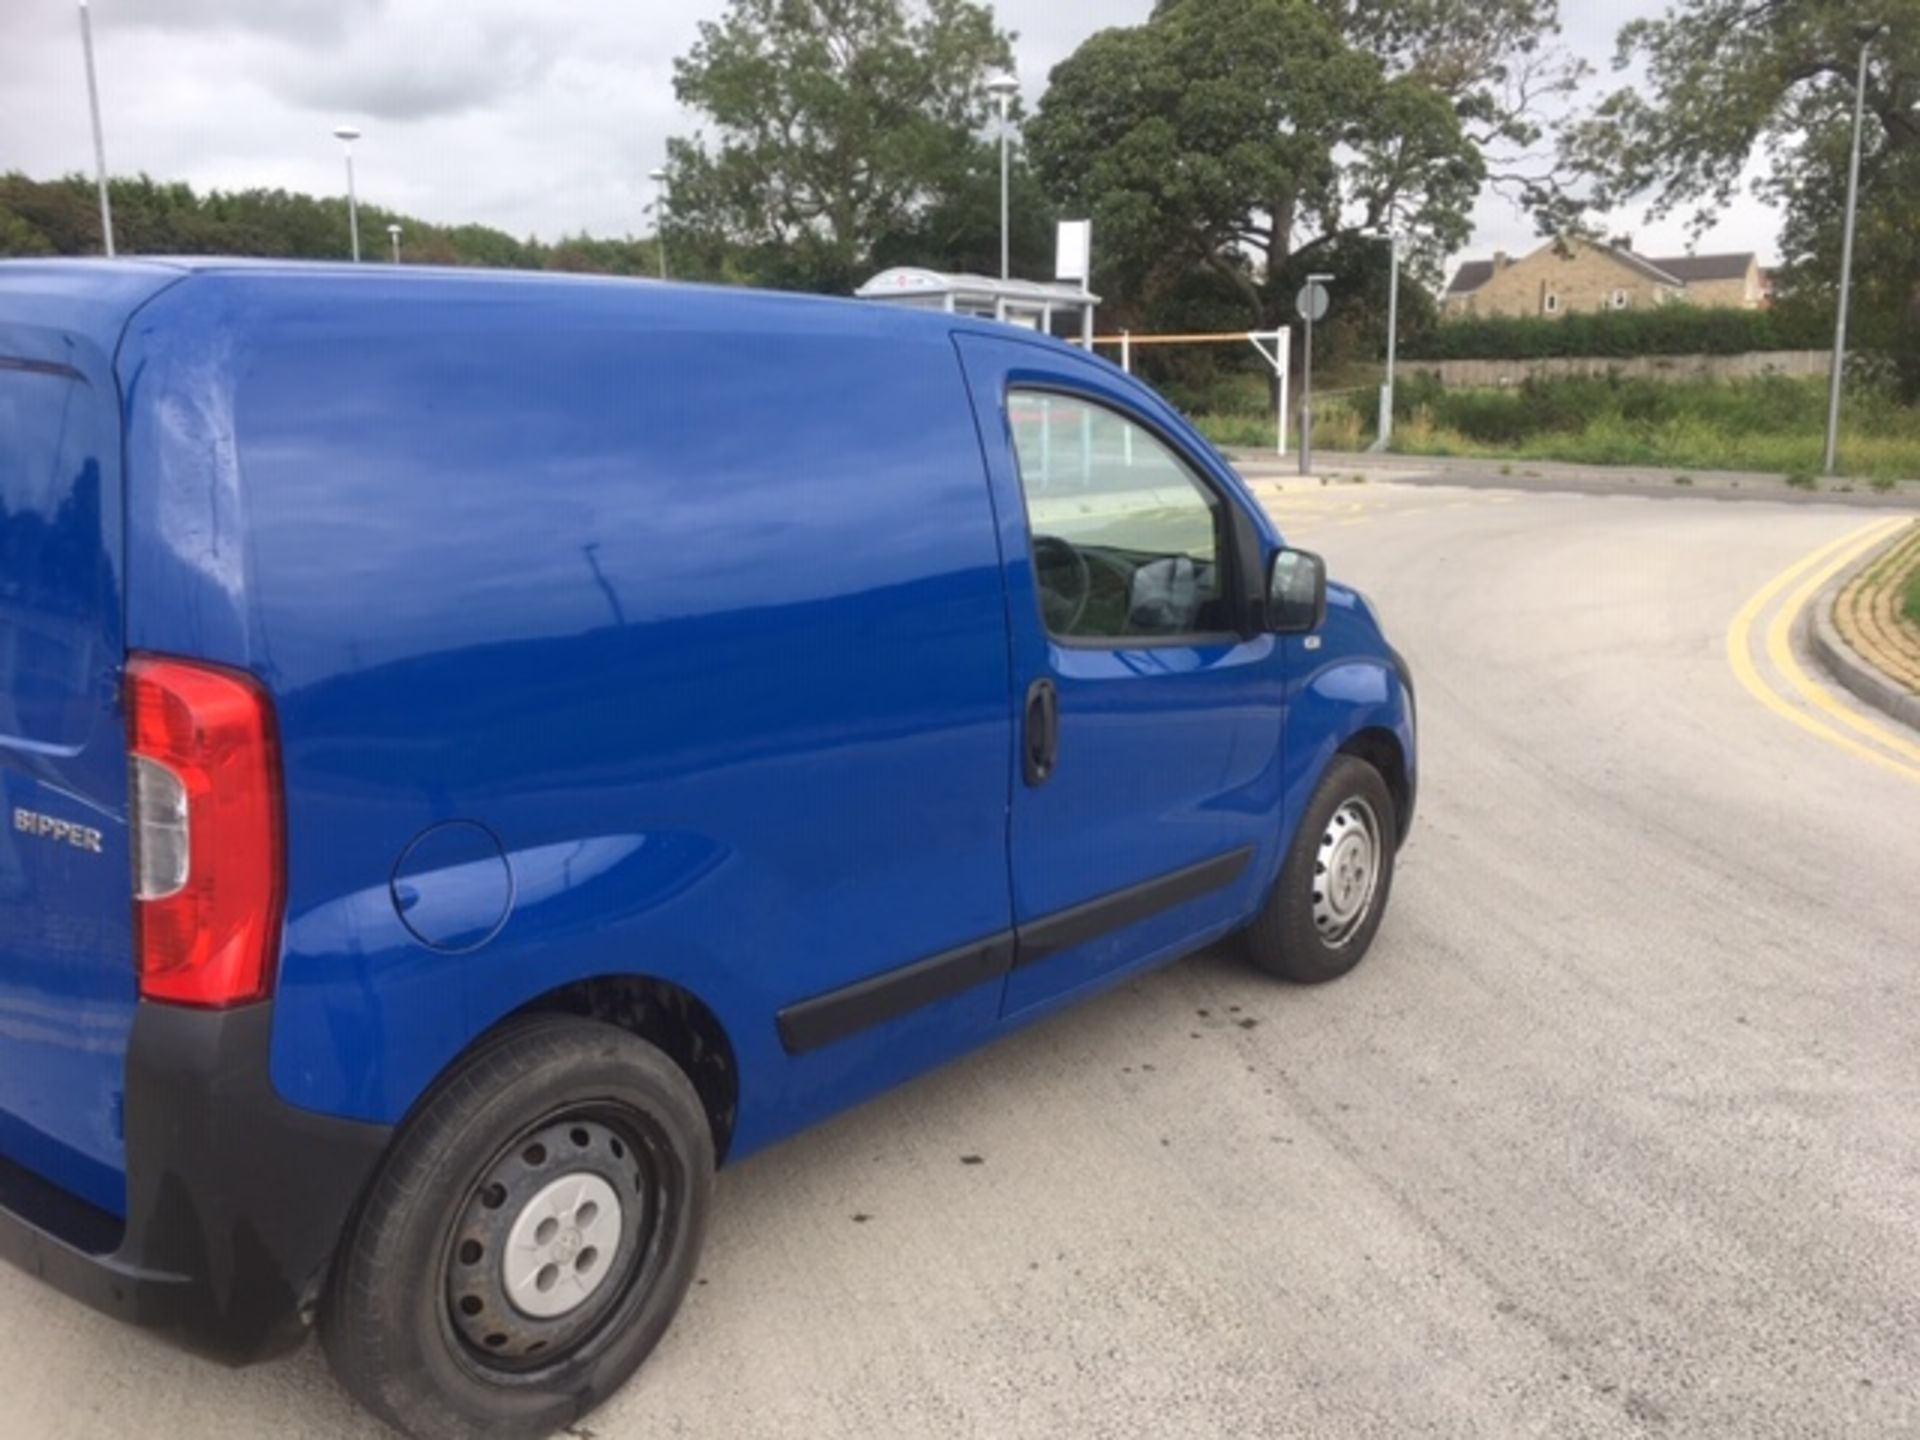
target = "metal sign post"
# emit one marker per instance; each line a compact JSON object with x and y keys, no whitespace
{"x":1312,"y":303}
{"x":1277,"y":357}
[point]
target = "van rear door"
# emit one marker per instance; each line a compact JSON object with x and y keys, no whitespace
{"x":67,"y":985}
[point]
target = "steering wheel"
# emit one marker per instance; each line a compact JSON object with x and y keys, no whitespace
{"x":1066,"y":584}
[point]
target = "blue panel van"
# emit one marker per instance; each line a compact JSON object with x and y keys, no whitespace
{"x":479,"y":751}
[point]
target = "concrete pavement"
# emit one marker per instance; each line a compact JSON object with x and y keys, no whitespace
{"x":1616,"y":1132}
{"x":1548,"y":476}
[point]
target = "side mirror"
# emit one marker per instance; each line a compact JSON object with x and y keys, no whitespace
{"x":1296,"y":592}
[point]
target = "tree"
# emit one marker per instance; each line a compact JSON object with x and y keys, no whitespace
{"x":1493,"y":60}
{"x":839,"y":123}
{"x":960,"y":229}
{"x":1729,"y":82}
{"x":54,"y":218}
{"x":1257,"y":137}
{"x":61,"y":217}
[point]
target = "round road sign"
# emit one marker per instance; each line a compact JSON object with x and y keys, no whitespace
{"x":1311,"y":302}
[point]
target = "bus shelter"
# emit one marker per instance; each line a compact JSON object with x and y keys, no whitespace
{"x":1051,"y":307}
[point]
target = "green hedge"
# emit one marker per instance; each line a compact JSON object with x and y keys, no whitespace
{"x":1668,"y":330}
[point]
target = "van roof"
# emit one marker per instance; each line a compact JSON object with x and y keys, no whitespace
{"x":778,"y":307}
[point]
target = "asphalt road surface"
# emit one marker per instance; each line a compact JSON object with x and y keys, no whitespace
{"x":1616,"y":1133}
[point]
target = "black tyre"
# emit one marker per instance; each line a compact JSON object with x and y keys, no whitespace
{"x":529,"y":1238}
{"x":1325,"y":907}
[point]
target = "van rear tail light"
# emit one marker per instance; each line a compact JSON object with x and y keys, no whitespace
{"x":208,"y":863}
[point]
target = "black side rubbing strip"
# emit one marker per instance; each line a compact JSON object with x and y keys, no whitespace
{"x":810,"y":1024}
{"x":1091,"y":919}
{"x":43,"y":367}
{"x":824,"y":1019}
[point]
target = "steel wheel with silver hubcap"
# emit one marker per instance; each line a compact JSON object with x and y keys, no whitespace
{"x":562,"y":1246}
{"x":528,"y":1237}
{"x":1319,"y":918}
{"x":549,"y":1240}
{"x":1346,"y":872}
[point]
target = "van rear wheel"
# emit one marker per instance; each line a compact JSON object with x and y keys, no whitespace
{"x":1323,"y":911}
{"x":529,"y":1238}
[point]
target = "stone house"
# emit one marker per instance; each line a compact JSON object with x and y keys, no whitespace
{"x":1575,"y":274}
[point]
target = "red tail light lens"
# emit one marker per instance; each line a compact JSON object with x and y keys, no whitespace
{"x":208,"y":862}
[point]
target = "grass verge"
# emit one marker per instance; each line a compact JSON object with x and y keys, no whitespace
{"x":1771,"y":424}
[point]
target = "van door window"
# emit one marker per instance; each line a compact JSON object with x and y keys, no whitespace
{"x":1128,"y":544}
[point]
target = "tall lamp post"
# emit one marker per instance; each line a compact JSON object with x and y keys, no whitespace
{"x":1867,"y":35}
{"x":99,"y":141}
{"x":393,"y":234}
{"x":346,"y":135}
{"x":1003,"y":88}
{"x":659,"y":177}
{"x":1385,"y":437}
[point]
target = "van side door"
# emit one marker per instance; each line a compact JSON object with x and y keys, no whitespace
{"x":1148,"y":697}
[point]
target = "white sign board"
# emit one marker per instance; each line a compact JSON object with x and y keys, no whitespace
{"x":1073,"y":251}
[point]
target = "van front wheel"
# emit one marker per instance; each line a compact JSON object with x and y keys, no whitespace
{"x":1323,"y":911}
{"x":529,"y":1239}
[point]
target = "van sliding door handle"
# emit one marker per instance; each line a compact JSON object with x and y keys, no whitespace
{"x":1042,"y":739}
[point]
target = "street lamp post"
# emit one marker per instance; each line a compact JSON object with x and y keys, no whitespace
{"x":99,"y":141}
{"x":1003,"y":88}
{"x":1385,"y":436}
{"x":1846,"y":256}
{"x":393,"y":234}
{"x":659,"y":177}
{"x":346,"y":135}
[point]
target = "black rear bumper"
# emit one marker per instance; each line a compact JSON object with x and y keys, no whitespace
{"x":235,"y":1200}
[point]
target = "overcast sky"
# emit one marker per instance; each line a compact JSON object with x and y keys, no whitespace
{"x":539,"y":118}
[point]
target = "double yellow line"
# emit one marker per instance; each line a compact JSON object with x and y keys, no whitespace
{"x":1812,"y":573}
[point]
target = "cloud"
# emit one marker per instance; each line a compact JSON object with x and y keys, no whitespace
{"x":303,"y":20}
{"x":420,"y":65}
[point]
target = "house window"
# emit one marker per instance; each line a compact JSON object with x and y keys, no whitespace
{"x":1551,"y":304}
{"x":1621,"y":299}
